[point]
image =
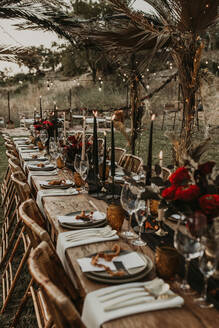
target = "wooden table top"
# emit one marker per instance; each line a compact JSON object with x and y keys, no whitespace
{"x":190,"y":315}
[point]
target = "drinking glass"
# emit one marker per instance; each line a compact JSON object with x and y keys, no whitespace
{"x":83,"y":169}
{"x":130,"y":198}
{"x":52,"y":148}
{"x":43,"y":136}
{"x":207,"y":266}
{"x":140,"y":218}
{"x":190,"y":247}
{"x":77,"y":162}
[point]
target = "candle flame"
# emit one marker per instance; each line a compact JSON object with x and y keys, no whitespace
{"x":113,"y":117}
{"x":95,"y":113}
{"x":153,"y":117}
{"x":40,"y":96}
{"x":104,"y":133}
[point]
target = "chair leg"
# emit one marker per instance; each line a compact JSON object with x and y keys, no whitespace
{"x":21,"y":305}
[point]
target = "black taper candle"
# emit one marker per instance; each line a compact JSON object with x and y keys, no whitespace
{"x":149,"y":161}
{"x":41,"y":109}
{"x":95,"y":146}
{"x":112,"y":150}
{"x":104,"y":159}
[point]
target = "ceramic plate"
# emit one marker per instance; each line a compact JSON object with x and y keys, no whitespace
{"x":100,"y":218}
{"x":133,"y":274}
{"x":46,"y":185}
{"x":48,"y":167}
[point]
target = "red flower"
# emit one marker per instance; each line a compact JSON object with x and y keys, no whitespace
{"x":169,"y":193}
{"x":38,"y":126}
{"x":187,"y":194}
{"x":72,"y":139}
{"x":206,"y":168}
{"x":180,"y":176}
{"x":48,"y":123}
{"x":210,"y":204}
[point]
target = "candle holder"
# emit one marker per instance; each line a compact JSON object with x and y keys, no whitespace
{"x":93,"y":181}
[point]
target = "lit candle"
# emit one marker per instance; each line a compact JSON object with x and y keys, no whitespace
{"x":41,"y":109}
{"x":161,"y":158}
{"x":83,"y":139}
{"x":95,"y":145}
{"x":149,"y":162}
{"x":112,"y":148}
{"x":64,"y":128}
{"x":104,"y":158}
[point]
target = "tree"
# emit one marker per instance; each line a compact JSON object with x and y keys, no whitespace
{"x":175,"y":25}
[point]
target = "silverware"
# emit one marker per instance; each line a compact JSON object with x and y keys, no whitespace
{"x":92,"y":204}
{"x":156,"y":282}
{"x":140,"y":300}
{"x":94,"y":234}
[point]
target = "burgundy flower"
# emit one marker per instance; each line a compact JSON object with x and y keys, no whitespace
{"x":48,"y":123}
{"x":187,"y":193}
{"x":210,"y":204}
{"x":169,"y":193}
{"x":206,"y":168}
{"x":180,"y":176}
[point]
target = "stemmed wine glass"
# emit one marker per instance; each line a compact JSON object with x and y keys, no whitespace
{"x":140,"y":218}
{"x":190,"y":247}
{"x":52,"y":148}
{"x":83,"y":169}
{"x":43,"y":136}
{"x":77,"y":162}
{"x":207,"y":266}
{"x":130,"y":198}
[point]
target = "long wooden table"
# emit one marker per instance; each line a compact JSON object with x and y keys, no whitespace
{"x":190,"y":315}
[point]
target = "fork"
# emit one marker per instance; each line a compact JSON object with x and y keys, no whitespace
{"x":141,"y":300}
{"x":141,"y":290}
{"x":92,"y":234}
{"x":80,"y":232}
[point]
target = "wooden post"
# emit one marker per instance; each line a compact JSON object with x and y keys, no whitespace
{"x":9,"y":108}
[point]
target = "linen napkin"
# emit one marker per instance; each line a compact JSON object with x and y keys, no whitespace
{"x":34,"y":151}
{"x":63,"y":244}
{"x":41,"y":173}
{"x":130,"y":260}
{"x":52,"y":193}
{"x":94,"y":312}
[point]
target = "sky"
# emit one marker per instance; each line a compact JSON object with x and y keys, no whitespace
{"x":10,"y":36}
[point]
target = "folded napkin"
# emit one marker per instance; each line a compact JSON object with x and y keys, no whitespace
{"x":41,"y":173}
{"x":95,"y":311}
{"x":32,"y":161}
{"x":63,"y":244}
{"x":34,"y":167}
{"x":129,"y":261}
{"x":97,"y":216}
{"x":52,"y":193}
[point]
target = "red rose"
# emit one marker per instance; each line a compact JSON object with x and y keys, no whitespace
{"x":48,"y":123}
{"x":187,"y":194}
{"x":180,"y":176}
{"x":169,"y":193}
{"x":206,"y":168}
{"x":210,"y":204}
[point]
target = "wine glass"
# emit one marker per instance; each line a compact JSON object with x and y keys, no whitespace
{"x":43,"y":136}
{"x":84,"y":168}
{"x":77,"y":162}
{"x":52,"y":148}
{"x":190,"y":247}
{"x":130,"y":198}
{"x":140,"y":218}
{"x":207,"y":266}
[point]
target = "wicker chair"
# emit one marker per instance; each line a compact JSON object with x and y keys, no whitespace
{"x":57,"y":289}
{"x":119,"y":153}
{"x":131,"y":163}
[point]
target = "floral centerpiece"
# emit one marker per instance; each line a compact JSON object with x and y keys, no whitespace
{"x":194,"y":192}
{"x":73,"y":147}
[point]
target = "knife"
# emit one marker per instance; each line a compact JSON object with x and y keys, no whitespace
{"x":120,"y":267}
